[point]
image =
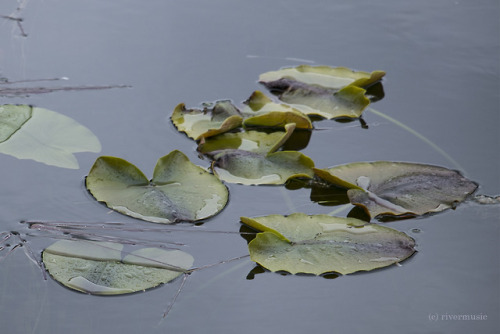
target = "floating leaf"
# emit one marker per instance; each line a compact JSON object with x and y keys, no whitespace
{"x":399,"y":188}
{"x":251,"y":141}
{"x":98,"y":268}
{"x":179,"y":190}
{"x":317,"y":244}
{"x":43,"y":135}
{"x":237,"y":166}
{"x":327,"y":77}
{"x":273,"y":115}
{"x":322,"y":90}
{"x":197,"y":124}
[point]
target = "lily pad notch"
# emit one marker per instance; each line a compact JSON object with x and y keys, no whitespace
{"x":178,"y":192}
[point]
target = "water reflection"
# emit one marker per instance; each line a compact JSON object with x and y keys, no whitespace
{"x":258,"y":269}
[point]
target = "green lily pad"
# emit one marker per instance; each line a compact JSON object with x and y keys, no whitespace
{"x":98,"y":267}
{"x":179,"y":190}
{"x":399,"y":188}
{"x":349,"y":102}
{"x":237,"y":166}
{"x":43,"y":135}
{"x":197,"y":124}
{"x":325,"y":76}
{"x":321,"y":90}
{"x":273,"y":115}
{"x":251,"y":141}
{"x":318,"y":244}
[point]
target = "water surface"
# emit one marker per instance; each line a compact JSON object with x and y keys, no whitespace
{"x":441,"y":59}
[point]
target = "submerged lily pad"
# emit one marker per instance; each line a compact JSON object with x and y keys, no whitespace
{"x":251,"y":141}
{"x":321,"y":90}
{"x":98,"y":267}
{"x":237,"y":166}
{"x":197,"y":124}
{"x":273,"y":115}
{"x":399,"y":188}
{"x":318,"y":244}
{"x":179,"y":190}
{"x":43,"y":135}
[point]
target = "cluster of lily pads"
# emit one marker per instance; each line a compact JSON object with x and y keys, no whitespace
{"x":251,"y":145}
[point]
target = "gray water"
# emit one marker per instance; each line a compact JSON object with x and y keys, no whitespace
{"x":442,"y":64}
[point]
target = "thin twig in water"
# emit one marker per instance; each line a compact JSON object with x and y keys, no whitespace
{"x":216,"y":264}
{"x":9,"y":252}
{"x":98,"y":237}
{"x":31,"y":255}
{"x":18,"y":21}
{"x":39,"y":225}
{"x":8,"y":17}
{"x":172,"y":302}
{"x":7,"y":82}
{"x":44,"y":90}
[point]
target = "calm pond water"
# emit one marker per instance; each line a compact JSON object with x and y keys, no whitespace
{"x":443,"y":80}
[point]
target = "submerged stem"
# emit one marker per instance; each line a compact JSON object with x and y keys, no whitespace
{"x":419,"y":136}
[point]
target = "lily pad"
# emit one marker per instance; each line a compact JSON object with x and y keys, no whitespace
{"x":318,"y":244}
{"x":179,"y":190}
{"x":321,"y":90}
{"x":273,"y":115}
{"x":237,"y":166}
{"x":399,"y":188}
{"x":325,"y":76}
{"x":197,"y":124}
{"x":98,"y":267}
{"x":349,"y":102}
{"x":43,"y":135}
{"x":251,"y":141}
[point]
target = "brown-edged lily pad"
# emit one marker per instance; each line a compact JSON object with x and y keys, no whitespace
{"x":399,"y":188}
{"x":318,"y":244}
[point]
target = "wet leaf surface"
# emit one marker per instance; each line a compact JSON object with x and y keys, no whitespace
{"x":197,"y":124}
{"x":318,"y":244}
{"x":179,"y":190}
{"x":237,"y":166}
{"x":98,"y":267}
{"x":250,"y":140}
{"x":321,"y":90}
{"x":399,"y":188}
{"x":325,"y":76}
{"x":261,"y":111}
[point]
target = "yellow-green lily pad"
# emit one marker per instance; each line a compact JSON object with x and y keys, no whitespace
{"x":198,"y":124}
{"x":399,"y":188}
{"x":261,"y":111}
{"x":318,"y":244}
{"x":98,"y":267}
{"x":179,"y":190}
{"x":321,"y":90}
{"x":325,"y":76}
{"x":250,"y":140}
